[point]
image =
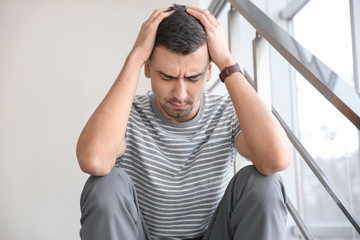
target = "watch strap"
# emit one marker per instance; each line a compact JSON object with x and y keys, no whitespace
{"x":230,"y":70}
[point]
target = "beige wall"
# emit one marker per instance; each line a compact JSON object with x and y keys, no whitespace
{"x":57,"y":61}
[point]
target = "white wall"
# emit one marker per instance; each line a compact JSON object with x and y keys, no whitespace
{"x":57,"y":61}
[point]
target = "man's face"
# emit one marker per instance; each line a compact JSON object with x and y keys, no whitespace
{"x":178,"y":82}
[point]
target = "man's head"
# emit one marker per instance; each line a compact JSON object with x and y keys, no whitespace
{"x":180,"y":33}
{"x":179,"y":66}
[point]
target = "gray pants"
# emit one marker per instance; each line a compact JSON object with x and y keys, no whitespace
{"x":253,"y":207}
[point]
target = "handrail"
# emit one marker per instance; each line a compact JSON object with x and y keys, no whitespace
{"x":216,"y":7}
{"x":348,"y":211}
{"x":299,"y":222}
{"x":345,"y":98}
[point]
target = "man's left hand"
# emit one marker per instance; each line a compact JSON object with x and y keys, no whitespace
{"x":217,"y":45}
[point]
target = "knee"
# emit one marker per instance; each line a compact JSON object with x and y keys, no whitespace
{"x":108,"y":191}
{"x":266,"y":192}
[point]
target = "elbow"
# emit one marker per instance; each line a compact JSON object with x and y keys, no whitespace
{"x":282,"y":163}
{"x":284,"y":156}
{"x":281,"y":157}
{"x":278,"y":162}
{"x":274,"y":167}
{"x":93,"y":162}
{"x":93,"y":166}
{"x":95,"y":169}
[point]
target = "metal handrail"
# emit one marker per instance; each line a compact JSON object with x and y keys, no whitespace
{"x":345,"y":98}
{"x":344,"y":206}
{"x":216,"y":7}
{"x":299,"y":222}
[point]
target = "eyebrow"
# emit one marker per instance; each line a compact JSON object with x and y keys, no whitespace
{"x":175,"y":77}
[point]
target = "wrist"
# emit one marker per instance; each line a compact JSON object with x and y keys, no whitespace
{"x":132,"y":64}
{"x":135,"y":58}
{"x":228,"y":71}
{"x":226,"y":63}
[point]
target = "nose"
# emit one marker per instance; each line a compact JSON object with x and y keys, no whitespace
{"x":180,"y":91}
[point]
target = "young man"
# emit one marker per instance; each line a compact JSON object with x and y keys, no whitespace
{"x":175,"y":146}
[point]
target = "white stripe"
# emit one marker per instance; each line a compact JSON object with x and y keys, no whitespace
{"x":179,"y":190}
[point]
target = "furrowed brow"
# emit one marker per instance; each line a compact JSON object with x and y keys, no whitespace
{"x":175,"y":77}
{"x":194,"y":76}
{"x":166,"y":75}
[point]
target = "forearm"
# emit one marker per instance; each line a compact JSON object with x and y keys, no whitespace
{"x":266,"y":141}
{"x":103,"y":137}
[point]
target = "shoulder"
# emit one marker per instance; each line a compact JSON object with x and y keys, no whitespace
{"x":142,"y":102}
{"x":218,"y":107}
{"x":143,"y":98}
{"x":217,"y":101}
{"x":141,"y":106}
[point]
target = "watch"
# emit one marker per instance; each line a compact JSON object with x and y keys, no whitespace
{"x":230,"y":70}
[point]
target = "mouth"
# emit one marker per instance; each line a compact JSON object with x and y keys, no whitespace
{"x":178,"y":106}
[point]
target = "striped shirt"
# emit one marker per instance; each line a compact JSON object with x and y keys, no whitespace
{"x":180,"y":170}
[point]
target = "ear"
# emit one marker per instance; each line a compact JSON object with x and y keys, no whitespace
{"x":147,"y":70}
{"x":208,"y":75}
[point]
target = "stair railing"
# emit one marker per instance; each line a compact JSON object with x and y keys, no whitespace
{"x":344,"y":98}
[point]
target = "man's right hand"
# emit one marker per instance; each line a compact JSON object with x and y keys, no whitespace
{"x":145,"y":41}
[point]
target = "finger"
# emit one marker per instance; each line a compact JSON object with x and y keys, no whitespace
{"x":206,"y":12}
{"x":163,"y":12}
{"x":214,"y":18}
{"x":161,"y":16}
{"x":204,"y":16}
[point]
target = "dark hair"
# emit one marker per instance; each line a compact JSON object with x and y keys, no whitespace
{"x":180,"y":32}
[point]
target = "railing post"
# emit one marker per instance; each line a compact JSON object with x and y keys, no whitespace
{"x":355,"y":36}
{"x":234,"y":27}
{"x":234,"y":31}
{"x":261,"y":63}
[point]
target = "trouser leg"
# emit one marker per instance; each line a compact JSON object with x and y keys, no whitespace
{"x":253,"y":207}
{"x":110,"y":209}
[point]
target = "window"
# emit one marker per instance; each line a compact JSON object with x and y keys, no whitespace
{"x":323,"y":27}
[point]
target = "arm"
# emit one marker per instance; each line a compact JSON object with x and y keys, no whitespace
{"x":262,"y":139}
{"x":103,"y":137}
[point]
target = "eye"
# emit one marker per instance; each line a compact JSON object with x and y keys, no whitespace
{"x":193,"y":80}
{"x":166,"y":79}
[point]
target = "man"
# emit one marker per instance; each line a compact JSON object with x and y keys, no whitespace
{"x":175,"y":146}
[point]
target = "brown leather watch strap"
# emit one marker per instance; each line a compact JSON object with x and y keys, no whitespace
{"x":230,"y":70}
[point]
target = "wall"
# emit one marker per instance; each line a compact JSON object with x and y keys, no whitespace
{"x":57,"y":61}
